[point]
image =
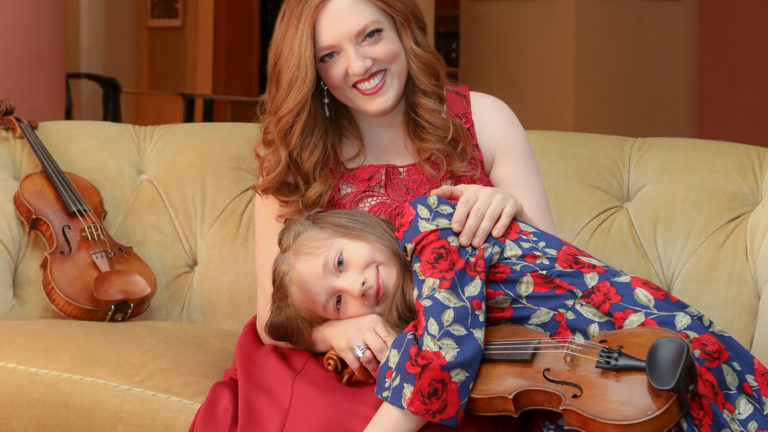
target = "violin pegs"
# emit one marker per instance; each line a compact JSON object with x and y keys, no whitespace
{"x":11,"y":123}
{"x":7,"y":107}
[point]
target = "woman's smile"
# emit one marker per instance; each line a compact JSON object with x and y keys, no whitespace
{"x":372,"y":84}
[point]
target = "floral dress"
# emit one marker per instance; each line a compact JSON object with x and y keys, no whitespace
{"x":533,"y":278}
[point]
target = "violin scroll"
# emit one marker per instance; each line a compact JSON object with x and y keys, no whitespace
{"x":7,"y":107}
{"x":8,"y":121}
{"x":334,"y":363}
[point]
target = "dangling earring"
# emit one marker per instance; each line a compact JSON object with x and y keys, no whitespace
{"x":326,"y":100}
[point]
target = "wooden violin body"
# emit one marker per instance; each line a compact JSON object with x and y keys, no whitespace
{"x":557,"y":377}
{"x":87,"y":275}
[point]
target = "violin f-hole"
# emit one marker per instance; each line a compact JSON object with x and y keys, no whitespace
{"x":64,"y":228}
{"x":563,"y":382}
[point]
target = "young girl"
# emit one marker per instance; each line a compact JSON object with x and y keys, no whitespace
{"x":441,"y":296}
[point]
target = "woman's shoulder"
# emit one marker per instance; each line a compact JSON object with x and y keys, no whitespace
{"x":484,"y":104}
{"x":495,"y":123}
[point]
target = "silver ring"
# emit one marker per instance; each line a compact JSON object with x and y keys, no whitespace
{"x":360,"y":350}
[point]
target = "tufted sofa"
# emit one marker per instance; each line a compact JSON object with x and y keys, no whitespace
{"x":691,"y":215}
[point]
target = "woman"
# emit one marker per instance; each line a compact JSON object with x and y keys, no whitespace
{"x":356,"y":117}
{"x":341,"y":264}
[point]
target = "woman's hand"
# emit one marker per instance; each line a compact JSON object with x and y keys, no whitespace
{"x":480,"y":211}
{"x":344,"y":335}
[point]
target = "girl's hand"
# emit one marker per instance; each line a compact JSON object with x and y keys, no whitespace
{"x":480,"y":210}
{"x":391,"y":418}
{"x":344,"y":335}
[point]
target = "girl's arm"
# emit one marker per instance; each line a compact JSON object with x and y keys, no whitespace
{"x":391,"y":418}
{"x":431,"y":365}
{"x":512,"y":168}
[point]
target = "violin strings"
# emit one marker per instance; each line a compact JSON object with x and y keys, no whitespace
{"x":557,"y":345}
{"x":533,"y":347}
{"x":556,"y":351}
{"x":555,"y":339}
{"x":69,"y":194}
{"x":535,"y":342}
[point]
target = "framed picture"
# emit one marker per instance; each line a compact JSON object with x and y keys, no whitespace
{"x":165,"y":13}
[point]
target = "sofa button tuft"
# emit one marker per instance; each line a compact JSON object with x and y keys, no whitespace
{"x":143,"y":177}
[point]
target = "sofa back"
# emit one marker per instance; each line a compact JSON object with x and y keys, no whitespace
{"x":688,"y":214}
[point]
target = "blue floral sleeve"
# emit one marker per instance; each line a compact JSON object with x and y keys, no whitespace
{"x":532,"y":278}
{"x":430,"y":367}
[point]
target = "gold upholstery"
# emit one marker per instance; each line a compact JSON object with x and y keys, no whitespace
{"x":691,"y":215}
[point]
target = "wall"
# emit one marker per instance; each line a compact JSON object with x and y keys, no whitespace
{"x":629,"y":67}
{"x":152,"y":63}
{"x":101,"y":39}
{"x":33,"y":60}
{"x":733,"y":66}
{"x":522,"y":52}
{"x":622,"y":67}
{"x":172,"y":60}
{"x":636,"y":67}
{"x":428,"y":8}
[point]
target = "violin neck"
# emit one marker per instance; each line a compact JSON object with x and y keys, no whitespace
{"x":67,"y":192}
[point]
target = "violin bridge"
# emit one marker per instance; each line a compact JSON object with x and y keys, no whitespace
{"x":568,"y":354}
{"x":101,"y":259}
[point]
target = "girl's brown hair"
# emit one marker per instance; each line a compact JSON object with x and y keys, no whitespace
{"x":299,"y":143}
{"x":290,"y":324}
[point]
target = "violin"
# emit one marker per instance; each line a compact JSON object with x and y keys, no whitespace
{"x":87,"y":275}
{"x":637,"y":379}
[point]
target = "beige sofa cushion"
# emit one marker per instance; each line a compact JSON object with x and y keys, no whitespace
{"x":137,"y":376}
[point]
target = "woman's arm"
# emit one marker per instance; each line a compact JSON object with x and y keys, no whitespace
{"x":509,"y":159}
{"x":512,"y":168}
{"x":266,"y":227}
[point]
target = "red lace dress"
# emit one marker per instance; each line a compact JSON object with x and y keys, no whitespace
{"x":382,"y":190}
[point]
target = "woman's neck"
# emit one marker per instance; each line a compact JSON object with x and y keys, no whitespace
{"x":385,"y":141}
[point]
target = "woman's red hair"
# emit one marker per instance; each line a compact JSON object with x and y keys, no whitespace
{"x":299,"y":143}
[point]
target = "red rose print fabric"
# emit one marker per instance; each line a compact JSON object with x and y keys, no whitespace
{"x":532,"y":278}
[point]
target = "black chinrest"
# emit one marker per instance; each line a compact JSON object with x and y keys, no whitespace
{"x":669,"y":367}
